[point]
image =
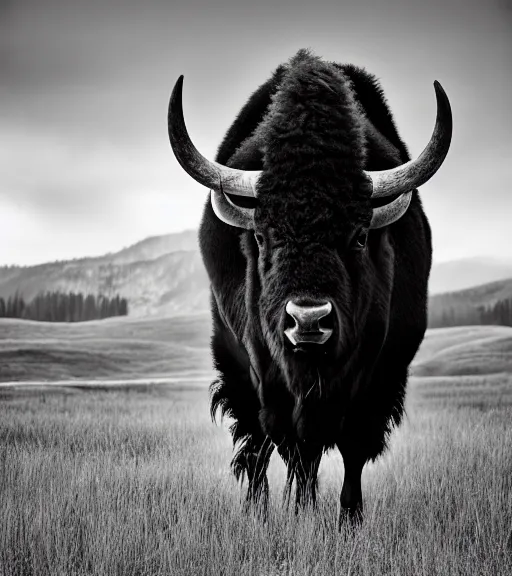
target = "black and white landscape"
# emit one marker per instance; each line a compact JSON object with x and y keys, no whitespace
{"x":109,"y":461}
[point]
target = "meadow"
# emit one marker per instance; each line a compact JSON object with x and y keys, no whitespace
{"x":104,"y":349}
{"x":135,"y":480}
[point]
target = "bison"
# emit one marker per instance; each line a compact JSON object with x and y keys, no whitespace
{"x":318,"y":252}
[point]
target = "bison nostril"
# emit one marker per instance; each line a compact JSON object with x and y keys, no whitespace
{"x":327,"y":321}
{"x":308,"y":324}
{"x":308,"y":316}
{"x":289,"y":321}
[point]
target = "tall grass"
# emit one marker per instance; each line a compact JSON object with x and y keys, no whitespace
{"x":134,"y":483}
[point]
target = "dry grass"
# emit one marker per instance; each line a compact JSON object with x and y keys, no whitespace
{"x":137,"y":482}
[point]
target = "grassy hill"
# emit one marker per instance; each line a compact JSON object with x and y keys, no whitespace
{"x":468,"y":365}
{"x":104,"y":349}
{"x":458,"y":343}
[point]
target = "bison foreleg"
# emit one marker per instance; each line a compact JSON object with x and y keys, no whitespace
{"x":302,"y":465}
{"x":351,"y":499}
{"x":252,"y":460}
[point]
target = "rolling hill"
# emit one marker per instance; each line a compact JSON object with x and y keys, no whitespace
{"x":464,"y":366}
{"x":115,"y":348}
{"x":465,"y":350}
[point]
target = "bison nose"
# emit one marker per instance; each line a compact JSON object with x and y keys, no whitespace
{"x":306,"y":320}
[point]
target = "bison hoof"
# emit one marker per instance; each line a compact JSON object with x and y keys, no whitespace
{"x":350,"y":518}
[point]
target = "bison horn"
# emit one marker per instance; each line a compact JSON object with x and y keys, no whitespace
{"x":384,"y":215}
{"x":229,"y":212}
{"x":210,"y":174}
{"x":416,"y":172}
{"x":223,"y":180}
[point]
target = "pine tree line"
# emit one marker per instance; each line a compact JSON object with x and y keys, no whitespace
{"x":60,"y":307}
{"x":498,"y":313}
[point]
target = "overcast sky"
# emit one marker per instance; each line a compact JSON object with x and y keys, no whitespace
{"x":85,"y":163}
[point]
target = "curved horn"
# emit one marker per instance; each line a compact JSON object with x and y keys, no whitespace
{"x":230,"y":213}
{"x":208,"y":173}
{"x":384,"y":215}
{"x":416,"y":172}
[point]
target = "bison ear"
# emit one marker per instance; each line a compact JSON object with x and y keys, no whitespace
{"x":389,"y":213}
{"x":229,"y":212}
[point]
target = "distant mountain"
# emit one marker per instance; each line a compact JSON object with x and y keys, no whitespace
{"x":160,"y":275}
{"x":477,"y":295}
{"x":460,"y":303}
{"x":156,"y":246}
{"x":466,"y":273}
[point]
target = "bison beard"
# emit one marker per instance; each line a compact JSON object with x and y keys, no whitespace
{"x":313,"y":129}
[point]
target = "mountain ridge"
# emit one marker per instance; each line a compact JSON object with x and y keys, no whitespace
{"x":161,"y":275}
{"x":465,"y":273}
{"x":160,"y":245}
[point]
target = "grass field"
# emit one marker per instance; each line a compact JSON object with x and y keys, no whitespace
{"x":136,"y":481}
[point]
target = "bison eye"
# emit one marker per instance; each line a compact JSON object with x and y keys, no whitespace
{"x":259,"y":239}
{"x":361,"y":239}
